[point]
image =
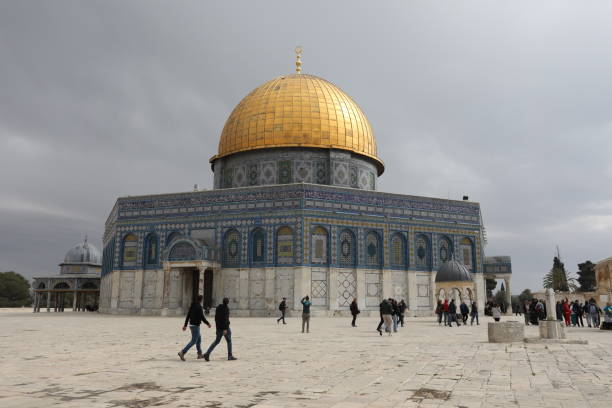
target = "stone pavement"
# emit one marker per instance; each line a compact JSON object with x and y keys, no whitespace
{"x":91,"y":360}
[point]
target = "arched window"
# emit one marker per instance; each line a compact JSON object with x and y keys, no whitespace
{"x":347,"y":248}
{"x":284,"y":245}
{"x":398,"y":250}
{"x":172,"y":236}
{"x":130,"y":250}
{"x":231,"y":248}
{"x":372,"y":249}
{"x":258,"y":245}
{"x":151,"y":249}
{"x":467,"y":253}
{"x":319,"y":246}
{"x":422,"y":250}
{"x":445,"y":249}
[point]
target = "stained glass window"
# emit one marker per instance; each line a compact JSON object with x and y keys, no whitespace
{"x":284,"y":245}
{"x":151,"y":249}
{"x":347,"y":248}
{"x":372,"y":249}
{"x":231,"y":248}
{"x":319,"y":246}
{"x":258,"y":249}
{"x":398,"y":250}
{"x":130,"y":250}
{"x":444,"y":248}
{"x":422,"y":252}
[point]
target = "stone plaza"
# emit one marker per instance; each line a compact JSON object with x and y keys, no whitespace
{"x":94,"y":360}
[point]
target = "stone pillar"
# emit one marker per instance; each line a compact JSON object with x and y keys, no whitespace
{"x":332,"y":290}
{"x":202,"y":270}
{"x":301,"y":286}
{"x":480,"y":291}
{"x":412,"y":292}
{"x":269,"y":290}
{"x":387,"y":290}
{"x":48,"y":301}
{"x":243,"y":289}
{"x":166,"y":290}
{"x":508,"y":296}
{"x":74,"y":300}
{"x":361,"y":289}
{"x":138,"y":288}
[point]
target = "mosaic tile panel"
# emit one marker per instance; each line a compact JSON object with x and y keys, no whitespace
{"x":347,"y":287}
{"x":285,"y":174}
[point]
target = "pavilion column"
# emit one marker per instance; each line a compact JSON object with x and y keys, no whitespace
{"x":508,"y":296}
{"x":48,"y":301}
{"x":74,"y":301}
{"x":35,"y":301}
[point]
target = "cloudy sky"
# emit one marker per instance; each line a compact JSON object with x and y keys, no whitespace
{"x":507,"y":102}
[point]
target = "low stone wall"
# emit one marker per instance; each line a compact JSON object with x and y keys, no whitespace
{"x":506,"y":332}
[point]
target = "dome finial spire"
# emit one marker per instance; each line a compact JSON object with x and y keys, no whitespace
{"x":298,"y":59}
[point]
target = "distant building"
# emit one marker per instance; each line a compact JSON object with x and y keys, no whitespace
{"x":77,"y":285}
{"x":294,"y":212}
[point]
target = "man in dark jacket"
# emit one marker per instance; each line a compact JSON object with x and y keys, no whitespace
{"x":354,"y":311}
{"x":465,"y":311}
{"x":386,"y":312}
{"x":223,"y":330}
{"x":282,"y":307}
{"x":452,"y":314}
{"x":402,"y":309}
{"x":195,"y":316}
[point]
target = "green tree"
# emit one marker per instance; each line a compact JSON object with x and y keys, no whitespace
{"x":557,"y":277}
{"x":525,"y":295}
{"x":14,"y":290}
{"x":586,"y":276}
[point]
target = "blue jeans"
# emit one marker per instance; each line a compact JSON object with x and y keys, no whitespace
{"x":228,"y":339}
{"x":196,"y":338}
{"x":395,"y":320}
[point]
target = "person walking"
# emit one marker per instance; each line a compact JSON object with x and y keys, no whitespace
{"x":566,"y":312}
{"x":402,"y":310}
{"x":354,"y":311}
{"x":474,"y":313}
{"x":465,"y":311}
{"x":607,"y":313}
{"x":594,"y":312}
{"x":526,"y":312}
{"x":496,"y":312}
{"x":394,"y":314}
{"x":386,"y":311}
{"x":585,"y":311}
{"x":195,"y":316}
{"x":439,"y":312}
{"x":445,"y":307}
{"x":306,"y":303}
{"x":222,"y":324}
{"x":452,"y":314}
{"x":283,"y":308}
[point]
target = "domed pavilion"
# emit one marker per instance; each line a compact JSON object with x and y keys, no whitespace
{"x":77,"y":285}
{"x":294,"y":211}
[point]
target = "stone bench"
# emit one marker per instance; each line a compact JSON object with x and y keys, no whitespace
{"x":506,"y":332}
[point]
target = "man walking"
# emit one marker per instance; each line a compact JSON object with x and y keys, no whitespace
{"x":306,"y":313}
{"x":223,"y":330}
{"x":282,"y":307}
{"x":195,"y":316}
{"x":452,"y":314}
{"x":386,"y":311}
{"x":463,"y":308}
{"x":354,"y":311}
{"x":474,"y":313}
{"x":402,"y":310}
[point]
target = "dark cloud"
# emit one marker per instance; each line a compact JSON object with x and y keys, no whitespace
{"x":506,"y":102}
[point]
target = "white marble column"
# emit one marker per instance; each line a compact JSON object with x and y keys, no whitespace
{"x":508,"y":296}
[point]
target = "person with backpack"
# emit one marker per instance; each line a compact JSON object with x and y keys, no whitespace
{"x":354,"y":311}
{"x":306,"y":303}
{"x":465,"y":311}
{"x":195,"y":316}
{"x":282,"y":307}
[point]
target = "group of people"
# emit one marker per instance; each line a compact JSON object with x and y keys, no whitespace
{"x":391,"y":315}
{"x":571,"y":313}
{"x":447,"y":312}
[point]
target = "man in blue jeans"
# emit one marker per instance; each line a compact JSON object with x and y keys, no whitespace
{"x":223,"y":330}
{"x":195,"y":316}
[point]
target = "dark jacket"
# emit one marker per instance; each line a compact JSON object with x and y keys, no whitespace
{"x":452,"y":308}
{"x":386,"y":308}
{"x":402,"y":307}
{"x":195,"y":315}
{"x":222,"y":317}
{"x":282,"y":306}
{"x":464,"y":309}
{"x":354,"y":308}
{"x":474,"y":309}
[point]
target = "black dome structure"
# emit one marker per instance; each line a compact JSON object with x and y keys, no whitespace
{"x":453,"y":271}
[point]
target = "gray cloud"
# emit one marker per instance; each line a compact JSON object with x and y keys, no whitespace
{"x":506,"y":102}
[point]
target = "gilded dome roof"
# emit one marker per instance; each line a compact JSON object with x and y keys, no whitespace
{"x":298,"y":110}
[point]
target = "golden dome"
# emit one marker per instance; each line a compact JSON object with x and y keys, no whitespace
{"x":298,"y":110}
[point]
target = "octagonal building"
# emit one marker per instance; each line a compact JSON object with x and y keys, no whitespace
{"x":294,"y":211}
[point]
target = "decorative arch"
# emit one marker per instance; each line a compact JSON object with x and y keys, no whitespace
{"x":129,"y":250}
{"x":258,"y":245}
{"x":398,"y":250}
{"x":319,"y":246}
{"x":284,"y":245}
{"x":172,"y":236}
{"x":373,"y":252}
{"x":468,"y":295}
{"x":41,"y":285}
{"x":466,"y":247}
{"x":182,"y":250}
{"x":231,"y":248}
{"x":62,"y":285}
{"x":151,"y":250}
{"x":422,"y":249}
{"x":445,"y":249}
{"x":347,"y":249}
{"x":89,"y":285}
